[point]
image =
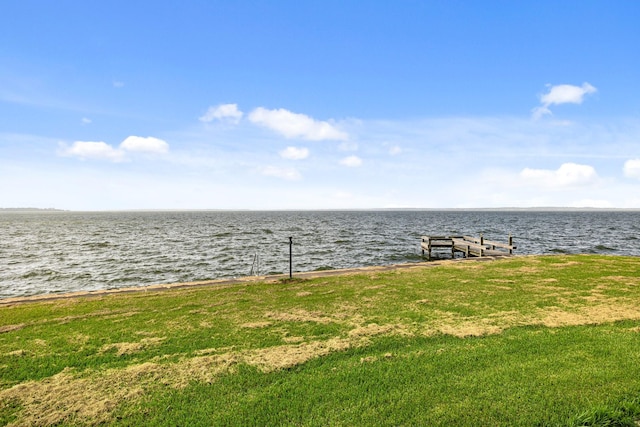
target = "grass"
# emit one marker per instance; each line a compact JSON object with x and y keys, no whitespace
{"x":552,"y":340}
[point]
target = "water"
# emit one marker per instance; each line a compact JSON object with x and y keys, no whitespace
{"x":53,"y":252}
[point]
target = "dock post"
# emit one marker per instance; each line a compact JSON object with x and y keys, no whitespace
{"x":290,"y":257}
{"x":428,"y":247}
{"x":510,"y":241}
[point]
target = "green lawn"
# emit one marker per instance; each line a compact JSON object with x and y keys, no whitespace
{"x":549,"y":340}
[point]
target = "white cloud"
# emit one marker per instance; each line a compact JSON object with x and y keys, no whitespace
{"x":117,"y":84}
{"x":294,"y":125}
{"x":568,"y":174}
{"x":92,"y":150}
{"x":145,"y":145}
{"x":351,"y":161}
{"x":228,"y":112}
{"x":562,"y":94}
{"x":86,"y":121}
{"x":631,"y":168}
{"x":289,"y":174}
{"x":295,"y":153}
{"x":102,"y":151}
{"x":538,"y":112}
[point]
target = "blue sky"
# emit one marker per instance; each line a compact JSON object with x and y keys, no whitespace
{"x":319,"y":105}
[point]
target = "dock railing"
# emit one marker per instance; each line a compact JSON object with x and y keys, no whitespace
{"x":468,"y":245}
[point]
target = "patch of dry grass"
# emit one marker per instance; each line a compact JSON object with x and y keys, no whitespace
{"x":299,"y":315}
{"x":304,"y":294}
{"x":287,"y":356}
{"x":9,"y":328}
{"x":65,"y":397}
{"x":602,"y":313}
{"x":123,"y":348}
{"x":256,"y":325}
{"x":373,"y":329}
{"x":90,"y":398}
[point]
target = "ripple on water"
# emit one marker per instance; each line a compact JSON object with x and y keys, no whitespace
{"x":559,"y":251}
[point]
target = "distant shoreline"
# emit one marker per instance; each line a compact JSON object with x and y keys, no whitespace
{"x":32,"y":210}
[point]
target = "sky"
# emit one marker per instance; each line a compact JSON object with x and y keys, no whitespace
{"x":117,"y":105}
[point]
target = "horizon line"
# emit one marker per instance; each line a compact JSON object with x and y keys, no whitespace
{"x":397,"y":209}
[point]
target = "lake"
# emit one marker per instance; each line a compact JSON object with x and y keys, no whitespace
{"x":54,"y":252}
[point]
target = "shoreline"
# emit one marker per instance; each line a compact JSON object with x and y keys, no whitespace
{"x":6,"y":302}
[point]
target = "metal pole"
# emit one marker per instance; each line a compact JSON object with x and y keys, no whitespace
{"x":290,"y":258}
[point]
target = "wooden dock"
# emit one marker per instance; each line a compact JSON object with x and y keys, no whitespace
{"x":467,"y":245}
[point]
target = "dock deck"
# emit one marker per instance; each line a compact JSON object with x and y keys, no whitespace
{"x":467,"y":245}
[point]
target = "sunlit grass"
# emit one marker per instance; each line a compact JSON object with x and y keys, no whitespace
{"x":520,"y":341}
